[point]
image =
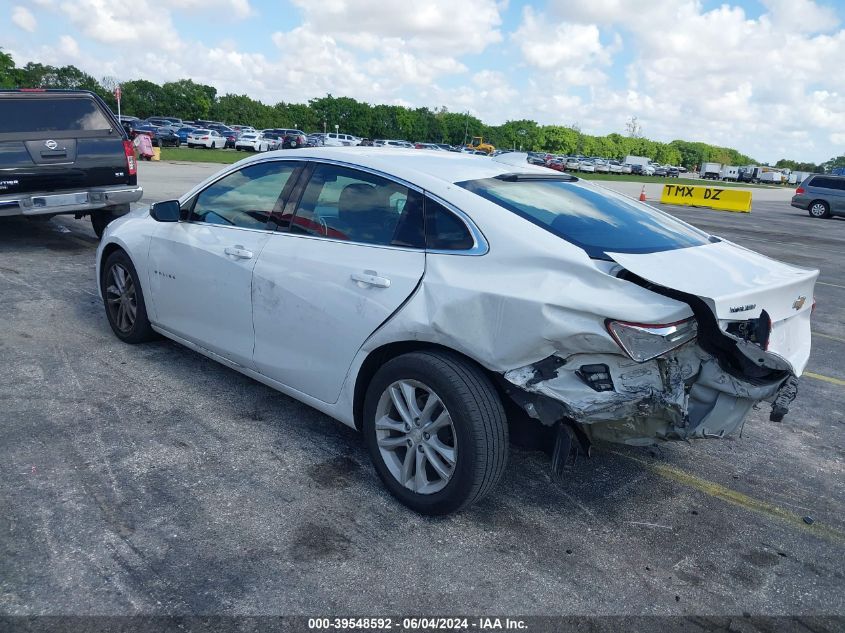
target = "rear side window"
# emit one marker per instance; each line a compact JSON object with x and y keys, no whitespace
{"x":51,"y":115}
{"x":598,"y":221}
{"x":346,"y":204}
{"x":444,"y":231}
{"x":828,"y":183}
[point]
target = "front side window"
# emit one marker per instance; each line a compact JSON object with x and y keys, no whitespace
{"x":347,"y":204}
{"x":599,"y":222}
{"x":245,"y":198}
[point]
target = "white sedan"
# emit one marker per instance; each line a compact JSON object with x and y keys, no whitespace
{"x":209,"y":139}
{"x":252,"y":142}
{"x":418,"y":296}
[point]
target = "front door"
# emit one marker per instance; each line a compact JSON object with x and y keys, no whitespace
{"x":201,"y":269}
{"x":348,"y":258}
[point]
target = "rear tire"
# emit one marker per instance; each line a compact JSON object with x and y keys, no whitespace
{"x":819,"y":209}
{"x":474,"y":434}
{"x":123,"y":300}
{"x":100,"y":218}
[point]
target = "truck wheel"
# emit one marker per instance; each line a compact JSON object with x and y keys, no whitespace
{"x":124,"y":300}
{"x":436,"y":431}
{"x":101,"y":217}
{"x":819,"y":209}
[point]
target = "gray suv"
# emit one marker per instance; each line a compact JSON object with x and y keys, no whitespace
{"x":822,"y":196}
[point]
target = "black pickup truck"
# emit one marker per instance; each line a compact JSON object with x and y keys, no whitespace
{"x":64,"y":152}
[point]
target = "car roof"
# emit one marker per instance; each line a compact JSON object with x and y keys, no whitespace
{"x":449,"y":167}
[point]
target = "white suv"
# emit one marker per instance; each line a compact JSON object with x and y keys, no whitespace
{"x":340,"y":140}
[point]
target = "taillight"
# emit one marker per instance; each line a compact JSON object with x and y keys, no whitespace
{"x":799,"y":191}
{"x":131,"y":165}
{"x":644,"y":341}
{"x":203,"y":138}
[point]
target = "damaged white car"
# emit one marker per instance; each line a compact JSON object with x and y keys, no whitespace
{"x":420,"y":296}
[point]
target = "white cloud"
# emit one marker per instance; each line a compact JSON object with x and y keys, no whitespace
{"x":23,"y":18}
{"x":68,"y":46}
{"x":770,"y":85}
{"x":443,"y":26}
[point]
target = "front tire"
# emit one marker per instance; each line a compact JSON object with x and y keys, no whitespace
{"x":819,"y":209}
{"x":436,"y":431}
{"x":124,"y":300}
{"x":101,"y":218}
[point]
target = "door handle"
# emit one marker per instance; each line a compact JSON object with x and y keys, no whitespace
{"x":238,"y":251}
{"x":370,"y":278}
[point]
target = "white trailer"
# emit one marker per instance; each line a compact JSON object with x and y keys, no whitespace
{"x":710,"y":170}
{"x":729,"y":172}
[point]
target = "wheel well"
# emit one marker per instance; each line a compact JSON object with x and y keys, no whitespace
{"x":107,"y":251}
{"x":824,"y":202}
{"x":383,"y":354}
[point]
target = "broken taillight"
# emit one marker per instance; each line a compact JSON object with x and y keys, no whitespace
{"x":644,"y":341}
{"x":129,"y":150}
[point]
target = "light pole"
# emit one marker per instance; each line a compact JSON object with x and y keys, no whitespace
{"x":324,"y":126}
{"x":522,"y":134}
{"x":336,"y":128}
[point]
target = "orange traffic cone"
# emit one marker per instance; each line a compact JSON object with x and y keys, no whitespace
{"x":642,"y":194}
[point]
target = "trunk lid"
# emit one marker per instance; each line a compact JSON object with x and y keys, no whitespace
{"x":737,"y":285}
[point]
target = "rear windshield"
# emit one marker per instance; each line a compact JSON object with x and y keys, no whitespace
{"x":51,"y":115}
{"x":599,"y":221}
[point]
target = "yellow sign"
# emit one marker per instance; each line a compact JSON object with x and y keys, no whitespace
{"x":721,"y":199}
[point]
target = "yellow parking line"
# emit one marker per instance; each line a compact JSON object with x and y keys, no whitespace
{"x":737,"y":498}
{"x":833,"y":381}
{"x":832,"y":338}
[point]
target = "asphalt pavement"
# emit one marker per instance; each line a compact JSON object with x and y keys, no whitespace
{"x":151,"y":480}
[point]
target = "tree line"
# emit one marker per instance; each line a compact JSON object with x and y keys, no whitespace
{"x":189,"y":100}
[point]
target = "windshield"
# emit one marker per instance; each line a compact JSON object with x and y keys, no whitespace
{"x":599,"y":221}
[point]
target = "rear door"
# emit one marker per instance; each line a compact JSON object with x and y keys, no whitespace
{"x":200,"y":270}
{"x":338,"y":268}
{"x":55,"y":141}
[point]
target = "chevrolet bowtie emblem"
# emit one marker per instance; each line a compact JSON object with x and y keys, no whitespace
{"x":799,"y":303}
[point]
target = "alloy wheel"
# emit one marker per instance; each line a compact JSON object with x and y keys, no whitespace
{"x":416,"y":437}
{"x":121,"y":298}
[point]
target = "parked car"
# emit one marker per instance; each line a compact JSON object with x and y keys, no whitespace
{"x":664,"y":332}
{"x":586,"y":166}
{"x":274,"y":138}
{"x":660,"y":170}
{"x":615,"y":167}
{"x":183,"y":133}
{"x":209,"y":139}
{"x":602,"y":167}
{"x":315,"y":140}
{"x":556,"y":164}
{"x":573,"y":164}
{"x":167,"y":137}
{"x":292,"y":139}
{"x":64,"y":152}
{"x":673,"y":172}
{"x":333,"y":139}
{"x":822,"y":196}
{"x":252,"y":142}
{"x":160,"y":121}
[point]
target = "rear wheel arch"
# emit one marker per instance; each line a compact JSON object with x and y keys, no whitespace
{"x":381,"y":355}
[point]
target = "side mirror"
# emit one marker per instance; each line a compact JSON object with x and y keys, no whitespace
{"x":167,"y":211}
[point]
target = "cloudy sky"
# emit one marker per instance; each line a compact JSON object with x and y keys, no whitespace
{"x":764,"y":76}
